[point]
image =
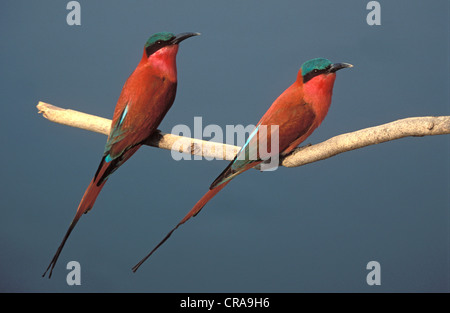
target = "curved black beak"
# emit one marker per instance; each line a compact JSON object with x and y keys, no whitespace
{"x":338,"y":66}
{"x":180,"y":37}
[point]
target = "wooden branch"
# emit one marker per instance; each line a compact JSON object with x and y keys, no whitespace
{"x":408,"y":127}
{"x":414,"y":126}
{"x":160,"y":140}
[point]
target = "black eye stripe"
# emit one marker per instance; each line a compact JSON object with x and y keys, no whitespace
{"x":155,"y":47}
{"x":314,"y":73}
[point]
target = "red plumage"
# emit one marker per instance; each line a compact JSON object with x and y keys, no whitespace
{"x":146,"y":97}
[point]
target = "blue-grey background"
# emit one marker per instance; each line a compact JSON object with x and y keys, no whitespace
{"x":312,"y":228}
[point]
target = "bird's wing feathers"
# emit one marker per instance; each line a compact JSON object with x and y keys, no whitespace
{"x":281,"y":125}
{"x":245,"y":159}
{"x":140,"y":109}
{"x":117,"y":132}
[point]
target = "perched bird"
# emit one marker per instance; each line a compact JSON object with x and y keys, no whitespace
{"x":297,"y":112}
{"x":146,"y":97}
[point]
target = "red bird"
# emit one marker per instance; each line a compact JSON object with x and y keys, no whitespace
{"x":297,"y":112}
{"x":144,"y":101}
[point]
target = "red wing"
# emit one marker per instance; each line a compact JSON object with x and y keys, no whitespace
{"x":140,"y":109}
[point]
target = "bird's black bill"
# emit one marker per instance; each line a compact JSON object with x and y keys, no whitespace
{"x":338,"y":66}
{"x":180,"y":37}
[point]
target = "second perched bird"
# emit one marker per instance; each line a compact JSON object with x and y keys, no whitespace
{"x":146,"y":97}
{"x":297,"y":112}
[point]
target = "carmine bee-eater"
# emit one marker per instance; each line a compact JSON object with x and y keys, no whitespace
{"x":146,"y":97}
{"x":297,"y":112}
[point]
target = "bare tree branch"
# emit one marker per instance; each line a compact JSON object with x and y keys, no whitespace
{"x":160,"y":140}
{"x":414,"y":126}
{"x":408,"y":127}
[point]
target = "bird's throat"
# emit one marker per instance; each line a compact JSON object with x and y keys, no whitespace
{"x":163,"y":62}
{"x":318,"y":92}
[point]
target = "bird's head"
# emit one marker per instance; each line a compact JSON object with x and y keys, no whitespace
{"x":317,"y":78}
{"x":160,"y":53}
{"x":320,"y":67}
{"x":164,"y":42}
